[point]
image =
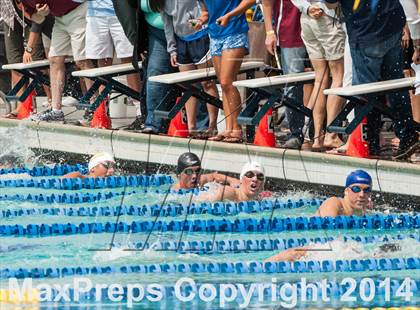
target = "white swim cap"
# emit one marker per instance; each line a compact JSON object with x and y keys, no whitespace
{"x":252,"y":166}
{"x":100,"y":158}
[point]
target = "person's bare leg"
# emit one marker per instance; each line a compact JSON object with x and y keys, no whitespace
{"x":105,"y":62}
{"x":57,"y":78}
{"x":230,"y":65}
{"x":334,"y":103}
{"x":191,"y":104}
{"x":84,"y":65}
{"x":318,"y":100}
{"x":217,"y":61}
{"x":210,"y":88}
{"x":133,"y":80}
{"x":15,"y":77}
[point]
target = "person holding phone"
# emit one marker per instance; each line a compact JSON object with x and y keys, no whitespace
{"x":189,"y":50}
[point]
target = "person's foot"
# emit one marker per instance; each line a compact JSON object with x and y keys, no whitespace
{"x":148,"y":130}
{"x":49,"y":116}
{"x":407,"y":148}
{"x":332,"y":141}
{"x":292,"y":143}
{"x":69,"y":101}
{"x":220,"y":136}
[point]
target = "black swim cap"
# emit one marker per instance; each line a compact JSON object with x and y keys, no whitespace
{"x":390,"y":247}
{"x":187,"y":160}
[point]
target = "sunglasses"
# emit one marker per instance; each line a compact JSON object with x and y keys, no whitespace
{"x":251,"y":174}
{"x":108,"y":165}
{"x":357,"y":189}
{"x":190,"y":171}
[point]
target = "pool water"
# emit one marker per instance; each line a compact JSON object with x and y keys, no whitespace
{"x":95,"y":250}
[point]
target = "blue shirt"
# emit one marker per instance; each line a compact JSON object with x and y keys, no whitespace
{"x":373,"y":21}
{"x":218,"y":8}
{"x":100,"y":8}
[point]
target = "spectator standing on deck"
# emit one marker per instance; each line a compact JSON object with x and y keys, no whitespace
{"x":68,"y":39}
{"x":104,"y":33}
{"x":286,"y":35}
{"x":229,"y":44}
{"x":374,"y":29}
{"x":16,"y":34}
{"x":324,"y":39}
{"x":189,"y":50}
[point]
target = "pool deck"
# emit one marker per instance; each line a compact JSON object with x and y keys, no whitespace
{"x":303,"y":166}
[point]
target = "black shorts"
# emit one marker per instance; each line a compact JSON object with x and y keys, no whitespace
{"x":193,"y":52}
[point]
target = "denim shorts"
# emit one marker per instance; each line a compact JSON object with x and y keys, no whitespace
{"x":218,"y":45}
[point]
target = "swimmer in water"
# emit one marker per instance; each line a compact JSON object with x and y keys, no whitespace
{"x":334,"y":248}
{"x":356,"y":197}
{"x":100,"y":165}
{"x":189,"y":174}
{"x":251,"y":185}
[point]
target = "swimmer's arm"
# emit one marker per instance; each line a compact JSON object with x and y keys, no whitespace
{"x":219,"y":178}
{"x":72,"y":175}
{"x":329,"y":207}
{"x":289,"y":255}
{"x":222,"y":193}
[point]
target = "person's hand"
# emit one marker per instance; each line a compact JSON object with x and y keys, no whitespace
{"x":315,"y":12}
{"x":223,"y":20}
{"x":173,"y":60}
{"x":43,"y":10}
{"x":405,"y":41}
{"x":27,"y":57}
{"x":200,"y":22}
{"x":416,"y":56}
{"x":235,"y":183}
{"x":271,"y":43}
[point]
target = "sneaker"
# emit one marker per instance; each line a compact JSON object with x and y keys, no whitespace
{"x":69,"y":102}
{"x":292,"y":143}
{"x":405,"y":150}
{"x":149,"y":130}
{"x":138,"y":124}
{"x":49,"y":116}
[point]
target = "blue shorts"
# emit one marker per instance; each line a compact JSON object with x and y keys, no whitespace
{"x":192,"y":52}
{"x":218,"y":45}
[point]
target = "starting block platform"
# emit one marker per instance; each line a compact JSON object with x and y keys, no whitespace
{"x":252,"y":114}
{"x":104,"y":76}
{"x":32,"y":74}
{"x":182,"y":83}
{"x":364,"y":96}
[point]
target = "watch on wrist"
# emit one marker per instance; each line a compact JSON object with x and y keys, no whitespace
{"x":29,"y":49}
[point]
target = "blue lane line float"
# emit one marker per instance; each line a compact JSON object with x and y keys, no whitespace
{"x":90,"y":183}
{"x":255,"y":245}
{"x":171,"y":209}
{"x":276,"y":224}
{"x":310,"y":266}
{"x":57,"y":170}
{"x":87,"y":197}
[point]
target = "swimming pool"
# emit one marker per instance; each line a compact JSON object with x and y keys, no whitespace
{"x":134,"y":230}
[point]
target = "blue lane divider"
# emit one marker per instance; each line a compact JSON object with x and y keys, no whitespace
{"x":402,"y":221}
{"x":90,"y":183}
{"x":255,"y":245}
{"x":86,"y":197}
{"x":334,"y":290}
{"x":171,"y":209}
{"x":38,"y":171}
{"x":310,"y":266}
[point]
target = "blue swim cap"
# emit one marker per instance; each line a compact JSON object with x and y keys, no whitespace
{"x":360,"y":177}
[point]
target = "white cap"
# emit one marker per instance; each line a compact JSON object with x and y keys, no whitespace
{"x":100,"y":158}
{"x":252,"y":166}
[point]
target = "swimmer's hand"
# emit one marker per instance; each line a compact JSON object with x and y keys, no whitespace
{"x":235,"y":183}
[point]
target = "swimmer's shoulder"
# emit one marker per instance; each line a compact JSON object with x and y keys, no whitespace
{"x":333,"y":206}
{"x":72,"y":175}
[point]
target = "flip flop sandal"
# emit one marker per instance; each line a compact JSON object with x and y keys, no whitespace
{"x":207,"y":134}
{"x":218,"y":137}
{"x":11,"y":115}
{"x":233,"y":140}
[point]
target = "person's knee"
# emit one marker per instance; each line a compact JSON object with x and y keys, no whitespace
{"x":84,"y":64}
{"x":208,"y":85}
{"x":56,"y":62}
{"x":226,"y":85}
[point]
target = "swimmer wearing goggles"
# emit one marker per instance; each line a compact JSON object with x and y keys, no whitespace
{"x":356,"y":197}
